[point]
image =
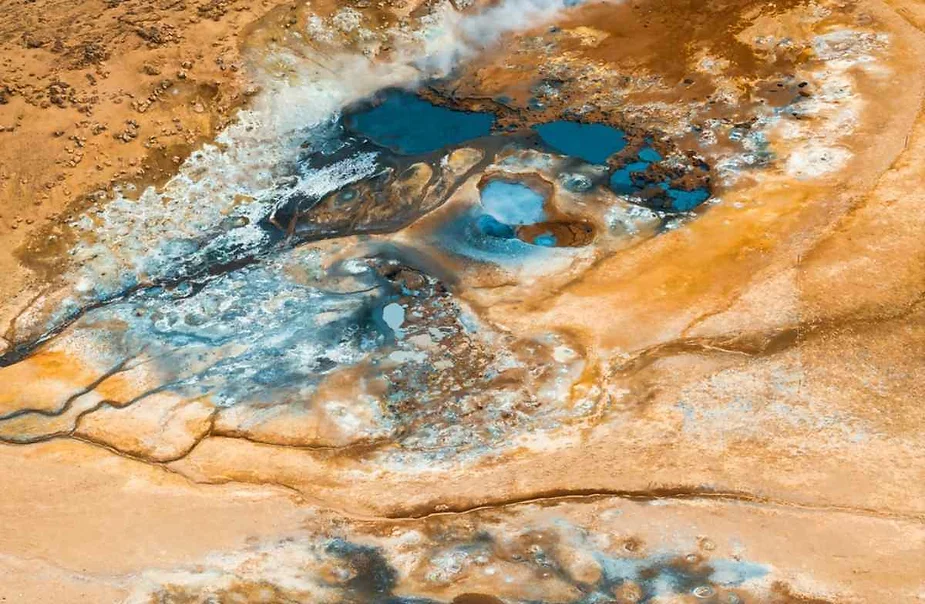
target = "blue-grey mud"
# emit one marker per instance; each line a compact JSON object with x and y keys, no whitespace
{"x":462,"y":302}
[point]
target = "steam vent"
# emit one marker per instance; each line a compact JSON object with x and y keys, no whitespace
{"x":462,"y":302}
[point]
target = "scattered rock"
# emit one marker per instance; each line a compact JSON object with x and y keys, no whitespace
{"x":60,"y":93}
{"x":29,"y":40}
{"x":156,"y":35}
{"x":130,"y":132}
{"x":214,"y":9}
{"x":90,"y":53}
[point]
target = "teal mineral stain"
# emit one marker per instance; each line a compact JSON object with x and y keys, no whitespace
{"x":734,"y":573}
{"x":490,"y":226}
{"x":593,"y":143}
{"x":480,"y":237}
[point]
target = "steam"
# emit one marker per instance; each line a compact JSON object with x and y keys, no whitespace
{"x":448,"y":39}
{"x":472,"y":34}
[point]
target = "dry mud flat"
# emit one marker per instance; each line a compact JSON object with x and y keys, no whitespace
{"x":326,"y":360}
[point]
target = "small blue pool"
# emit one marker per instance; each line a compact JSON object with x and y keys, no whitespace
{"x":593,"y":143}
{"x":621,"y":181}
{"x":410,"y":125}
{"x":684,"y":201}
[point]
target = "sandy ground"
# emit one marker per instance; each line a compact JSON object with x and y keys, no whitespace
{"x":102,"y":93}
